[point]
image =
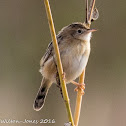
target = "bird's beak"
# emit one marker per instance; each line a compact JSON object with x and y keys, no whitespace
{"x":91,"y":30}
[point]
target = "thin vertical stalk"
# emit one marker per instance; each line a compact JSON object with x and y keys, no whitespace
{"x":91,"y":11}
{"x":79,"y":100}
{"x":86,"y":12}
{"x":82,"y":76}
{"x":58,"y":61}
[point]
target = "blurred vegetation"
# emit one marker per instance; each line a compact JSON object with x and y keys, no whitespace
{"x":24,"y":36}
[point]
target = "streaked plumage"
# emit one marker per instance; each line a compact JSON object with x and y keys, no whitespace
{"x":74,"y":47}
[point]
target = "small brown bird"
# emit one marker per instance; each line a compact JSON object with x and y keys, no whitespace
{"x":74,"y":46}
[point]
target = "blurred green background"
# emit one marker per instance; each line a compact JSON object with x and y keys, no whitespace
{"x":24,"y":36}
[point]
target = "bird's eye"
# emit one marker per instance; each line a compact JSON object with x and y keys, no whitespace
{"x":79,"y":31}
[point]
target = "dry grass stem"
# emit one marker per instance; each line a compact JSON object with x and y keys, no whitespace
{"x":91,"y":8}
{"x":89,"y":13}
{"x":58,"y":60}
{"x":86,"y":12}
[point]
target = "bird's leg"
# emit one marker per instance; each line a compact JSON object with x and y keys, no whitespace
{"x":79,"y":86}
{"x":64,"y":75}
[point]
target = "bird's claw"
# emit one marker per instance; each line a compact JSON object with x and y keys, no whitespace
{"x":64,"y":76}
{"x":81,"y":87}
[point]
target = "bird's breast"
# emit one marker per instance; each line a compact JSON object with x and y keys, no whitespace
{"x":75,"y":60}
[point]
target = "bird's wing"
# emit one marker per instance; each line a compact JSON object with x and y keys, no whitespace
{"x":49,"y":51}
{"x":47,"y":55}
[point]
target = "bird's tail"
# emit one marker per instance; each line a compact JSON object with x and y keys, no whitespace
{"x":41,"y":95}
